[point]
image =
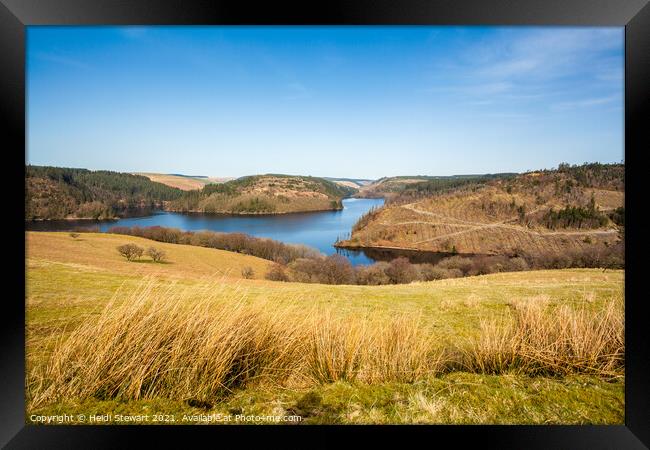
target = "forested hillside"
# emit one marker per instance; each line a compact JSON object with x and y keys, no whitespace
{"x":60,"y":193}
{"x":265,"y":194}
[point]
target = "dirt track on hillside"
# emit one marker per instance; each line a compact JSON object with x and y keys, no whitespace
{"x":476,"y":226}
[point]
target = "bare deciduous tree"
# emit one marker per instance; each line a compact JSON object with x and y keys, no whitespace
{"x":130,"y":251}
{"x":277,"y":273}
{"x":155,"y":254}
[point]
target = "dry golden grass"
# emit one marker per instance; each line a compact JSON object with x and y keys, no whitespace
{"x":197,"y":343}
{"x":335,"y":348}
{"x":538,"y":338}
{"x":187,"y":343}
{"x":200,"y":342}
{"x":362,"y":349}
{"x":184,"y":183}
{"x":98,"y":250}
{"x":405,"y":351}
{"x":97,"y":339}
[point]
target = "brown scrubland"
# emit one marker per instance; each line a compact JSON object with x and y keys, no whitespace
{"x":573,"y":209}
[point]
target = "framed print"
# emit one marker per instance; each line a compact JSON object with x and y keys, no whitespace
{"x":350,"y":218}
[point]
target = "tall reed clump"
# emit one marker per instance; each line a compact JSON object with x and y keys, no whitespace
{"x":186,"y":344}
{"x":336,"y":348}
{"x":199,"y":343}
{"x":539,"y":339}
{"x":371,"y":351}
{"x":405,"y":350}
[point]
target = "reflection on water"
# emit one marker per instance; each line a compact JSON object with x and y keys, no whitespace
{"x":316,"y":229}
{"x":385,"y":254}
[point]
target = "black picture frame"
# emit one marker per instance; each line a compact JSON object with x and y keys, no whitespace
{"x":634,"y":15}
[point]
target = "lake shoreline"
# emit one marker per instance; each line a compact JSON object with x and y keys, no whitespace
{"x":386,"y":253}
{"x":279,"y":213}
{"x":316,"y":229}
{"x":158,"y":211}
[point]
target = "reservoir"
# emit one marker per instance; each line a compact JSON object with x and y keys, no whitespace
{"x":319,"y":230}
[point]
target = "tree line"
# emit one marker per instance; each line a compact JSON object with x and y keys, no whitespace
{"x":300,"y":263}
{"x":428,"y":188}
{"x":336,"y":269}
{"x":234,"y":242}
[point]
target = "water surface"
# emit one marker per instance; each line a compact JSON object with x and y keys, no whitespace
{"x":315,"y":229}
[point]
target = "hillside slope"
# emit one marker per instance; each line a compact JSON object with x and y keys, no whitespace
{"x":570,"y":209}
{"x":63,"y":193}
{"x":391,"y":187}
{"x":54,"y":193}
{"x":98,"y":252}
{"x":354,"y":183}
{"x":183,"y":182}
{"x":265,"y":194}
{"x":73,"y":282}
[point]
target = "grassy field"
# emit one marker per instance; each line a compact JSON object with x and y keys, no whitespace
{"x":97,"y":252}
{"x":185,"y":183}
{"x":70,"y":282}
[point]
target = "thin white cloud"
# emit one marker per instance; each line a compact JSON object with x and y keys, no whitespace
{"x":553,"y":53}
{"x":520,"y":65}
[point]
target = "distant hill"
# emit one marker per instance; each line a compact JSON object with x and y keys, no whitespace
{"x":354,"y":183}
{"x":68,"y":193}
{"x":188,"y":176}
{"x":388,"y":187}
{"x":184,"y":182}
{"x":65,"y":193}
{"x":574,"y":208}
{"x":265,"y":194}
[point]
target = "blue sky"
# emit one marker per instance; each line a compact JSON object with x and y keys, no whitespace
{"x":361,"y":102}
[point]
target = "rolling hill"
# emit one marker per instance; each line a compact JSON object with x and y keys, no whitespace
{"x":183,"y":182}
{"x":388,"y":187}
{"x":355,"y":183}
{"x":77,"y":286}
{"x":67,"y":193}
{"x":265,"y":194}
{"x":574,"y":208}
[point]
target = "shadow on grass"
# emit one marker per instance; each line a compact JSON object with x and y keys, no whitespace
{"x":149,"y":261}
